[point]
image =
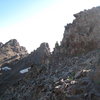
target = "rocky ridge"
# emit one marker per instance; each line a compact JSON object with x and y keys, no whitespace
{"x":71,"y":72}
{"x":10,"y":51}
{"x":37,"y":57}
{"x":82,"y":35}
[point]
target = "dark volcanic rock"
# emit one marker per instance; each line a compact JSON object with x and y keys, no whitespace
{"x":42,"y":53}
{"x":71,"y":72}
{"x":34,"y":60}
{"x":39,"y":56}
{"x":10,"y":53}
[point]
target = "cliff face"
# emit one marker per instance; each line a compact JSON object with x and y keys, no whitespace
{"x":83,"y":35}
{"x":71,"y":72}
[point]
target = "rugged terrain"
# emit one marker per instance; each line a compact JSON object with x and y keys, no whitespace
{"x":11,"y":51}
{"x":70,"y":72}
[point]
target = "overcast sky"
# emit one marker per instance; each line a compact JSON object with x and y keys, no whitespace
{"x":32,"y":22}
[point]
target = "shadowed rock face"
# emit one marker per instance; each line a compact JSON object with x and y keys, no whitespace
{"x":10,"y":53}
{"x":60,"y":75}
{"x":40,"y":55}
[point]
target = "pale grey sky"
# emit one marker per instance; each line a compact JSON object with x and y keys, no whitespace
{"x":33,"y":22}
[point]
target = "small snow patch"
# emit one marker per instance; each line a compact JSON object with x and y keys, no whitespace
{"x":25,"y":70}
{"x":6,"y":68}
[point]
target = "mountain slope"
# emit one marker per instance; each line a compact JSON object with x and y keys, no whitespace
{"x":71,"y":72}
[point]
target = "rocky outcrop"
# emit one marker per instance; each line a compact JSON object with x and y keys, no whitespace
{"x":34,"y":60}
{"x":83,"y":35}
{"x":71,"y":72}
{"x":10,"y":51}
{"x":66,"y":82}
{"x":10,"y":54}
{"x":39,"y":56}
